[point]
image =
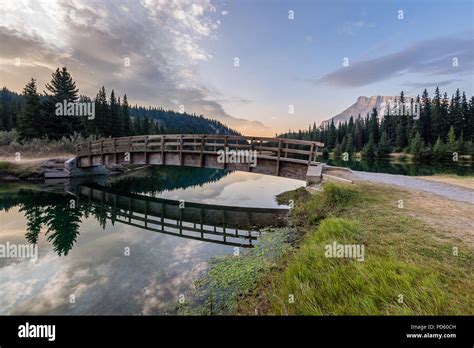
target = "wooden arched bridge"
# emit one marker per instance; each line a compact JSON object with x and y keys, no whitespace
{"x":273,"y":156}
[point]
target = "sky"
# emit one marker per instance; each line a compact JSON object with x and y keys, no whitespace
{"x":260,"y":66}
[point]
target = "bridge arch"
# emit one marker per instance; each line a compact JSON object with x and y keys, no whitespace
{"x":289,"y":158}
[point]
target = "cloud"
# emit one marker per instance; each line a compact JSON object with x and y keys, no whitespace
{"x":432,"y":57}
{"x":225,"y":13}
{"x":163,"y":41}
{"x":430,"y":84}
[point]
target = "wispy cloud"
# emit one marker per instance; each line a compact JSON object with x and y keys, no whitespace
{"x":431,"y":57}
{"x":431,"y":84}
{"x":162,"y":40}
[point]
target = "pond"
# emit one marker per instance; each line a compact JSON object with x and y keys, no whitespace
{"x":405,"y":168}
{"x":127,"y":245}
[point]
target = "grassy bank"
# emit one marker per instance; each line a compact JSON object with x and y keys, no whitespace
{"x":20,"y":170}
{"x":410,"y":266}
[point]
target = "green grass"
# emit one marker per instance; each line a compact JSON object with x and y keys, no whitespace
{"x":402,"y":257}
{"x":22,"y":171}
{"x":231,"y":278}
{"x":408,"y":267}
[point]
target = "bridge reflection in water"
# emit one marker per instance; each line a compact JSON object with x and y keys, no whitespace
{"x":230,"y":225}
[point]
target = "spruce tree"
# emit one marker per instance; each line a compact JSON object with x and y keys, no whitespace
{"x":439,"y":149}
{"x":127,"y":126}
{"x":61,"y":89}
{"x":437,"y":124}
{"x":30,"y":125}
{"x":416,"y":146}
{"x":383,"y":148}
{"x":452,"y":144}
{"x":113,"y":123}
{"x":368,"y":151}
{"x":373,"y":126}
{"x":425,"y":117}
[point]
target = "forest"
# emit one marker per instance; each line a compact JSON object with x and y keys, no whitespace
{"x":32,"y":114}
{"x":445,"y":126}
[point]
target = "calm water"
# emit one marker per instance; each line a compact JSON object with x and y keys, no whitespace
{"x":125,"y":245}
{"x":405,"y":168}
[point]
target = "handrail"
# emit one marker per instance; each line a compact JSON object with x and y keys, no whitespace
{"x":281,"y":149}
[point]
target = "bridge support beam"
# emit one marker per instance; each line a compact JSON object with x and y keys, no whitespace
{"x":71,"y":170}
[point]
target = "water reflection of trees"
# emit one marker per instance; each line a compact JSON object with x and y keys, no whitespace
{"x":51,"y":212}
{"x":154,"y":180}
{"x":405,"y":168}
{"x":59,"y":215}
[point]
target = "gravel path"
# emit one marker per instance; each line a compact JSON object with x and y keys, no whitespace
{"x":453,"y":192}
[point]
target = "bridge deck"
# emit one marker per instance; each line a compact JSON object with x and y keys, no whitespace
{"x":274,"y":156}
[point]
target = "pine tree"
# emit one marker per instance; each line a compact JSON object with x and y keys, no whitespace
{"x":437,"y":124}
{"x":337,"y":149}
{"x":416,"y":146}
{"x":383,"y":148}
{"x":30,"y":125}
{"x":349,"y":148}
{"x":425,"y":117}
{"x":444,"y":118}
{"x":455,"y":113}
{"x":332,"y":136}
{"x":471,"y":120}
{"x":368,"y":151}
{"x":373,"y":126}
{"x":465,"y":117}
{"x":101,"y":113}
{"x":127,"y":125}
{"x":439,"y":149}
{"x":113,"y":123}
{"x":452,"y":144}
{"x":61,"y":89}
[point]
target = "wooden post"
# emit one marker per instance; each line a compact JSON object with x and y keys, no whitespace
{"x":181,"y":150}
{"x":203,"y":144}
{"x":115,"y":151}
{"x":146,"y":214}
{"x":310,"y":154}
{"x":102,"y":152}
{"x":251,"y":149}
{"x":162,"y":217}
{"x":162,"y":149}
{"x":146,"y":148}
{"x":286,"y":150}
{"x":278,"y":158}
{"x":90,"y":153}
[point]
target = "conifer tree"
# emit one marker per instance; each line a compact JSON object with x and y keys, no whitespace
{"x":61,"y":89}
{"x":30,"y":125}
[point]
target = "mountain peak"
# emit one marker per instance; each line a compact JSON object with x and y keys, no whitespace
{"x":362,"y":106}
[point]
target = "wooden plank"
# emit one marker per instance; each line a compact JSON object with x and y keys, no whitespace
{"x":278,"y":159}
{"x":163,"y":150}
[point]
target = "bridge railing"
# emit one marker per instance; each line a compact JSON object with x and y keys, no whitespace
{"x":291,"y":150}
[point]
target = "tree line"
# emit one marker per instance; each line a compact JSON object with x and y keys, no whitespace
{"x":443,"y":126}
{"x":33,"y":114}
